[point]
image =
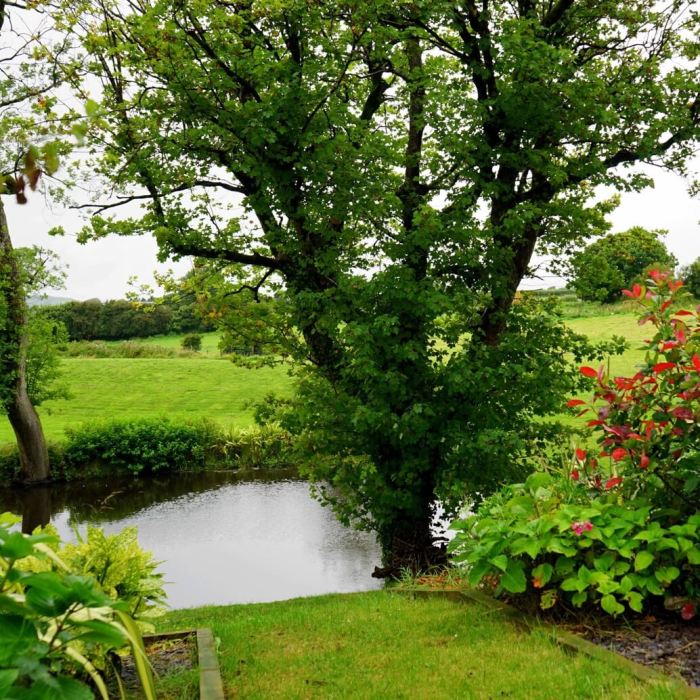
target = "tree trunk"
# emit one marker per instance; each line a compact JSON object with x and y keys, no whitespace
{"x":33,"y":453}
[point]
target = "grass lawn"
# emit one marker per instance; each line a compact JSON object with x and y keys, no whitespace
{"x":111,"y":388}
{"x":382,"y":645}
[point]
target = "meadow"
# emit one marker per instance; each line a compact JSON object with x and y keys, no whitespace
{"x":209,"y":386}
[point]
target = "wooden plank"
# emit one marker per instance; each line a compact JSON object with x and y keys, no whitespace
{"x":211,"y":686}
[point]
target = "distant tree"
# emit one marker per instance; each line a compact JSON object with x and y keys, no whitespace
{"x":690,"y":275}
{"x":192,"y":341}
{"x":607,"y":266}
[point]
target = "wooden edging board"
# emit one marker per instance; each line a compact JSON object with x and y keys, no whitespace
{"x":210,"y":684}
{"x":571,"y":642}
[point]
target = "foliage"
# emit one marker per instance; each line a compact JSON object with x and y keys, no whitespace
{"x":626,"y":526}
{"x":150,"y":446}
{"x":141,"y":446}
{"x":395,"y":163}
{"x":45,"y":338}
{"x":123,"y":349}
{"x":690,"y":275}
{"x":56,"y":625}
{"x":471,"y":450}
{"x":539,"y":538}
{"x":123,"y":570}
{"x":110,"y":320}
{"x":614,"y":262}
{"x":192,"y":341}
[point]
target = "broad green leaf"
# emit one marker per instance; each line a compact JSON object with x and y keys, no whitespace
{"x":611,"y":606}
{"x":513,"y":578}
{"x":643,"y":560}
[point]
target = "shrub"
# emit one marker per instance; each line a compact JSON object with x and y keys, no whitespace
{"x":140,"y":446}
{"x":691,"y":278}
{"x":192,"y":341}
{"x":127,"y":349}
{"x":56,"y":627}
{"x":622,"y":526}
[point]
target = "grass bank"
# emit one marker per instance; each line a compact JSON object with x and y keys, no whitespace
{"x":384,"y":645}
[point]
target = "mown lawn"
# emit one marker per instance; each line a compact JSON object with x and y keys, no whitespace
{"x":103,"y":389}
{"x":383,"y":645}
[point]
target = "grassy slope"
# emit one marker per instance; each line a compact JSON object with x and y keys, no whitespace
{"x":382,"y":645}
{"x":179,"y":388}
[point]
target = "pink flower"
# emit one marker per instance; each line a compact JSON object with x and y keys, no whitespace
{"x":579,"y":527}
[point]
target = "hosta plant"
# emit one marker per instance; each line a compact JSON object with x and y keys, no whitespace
{"x":56,"y":625}
{"x":619,"y":528}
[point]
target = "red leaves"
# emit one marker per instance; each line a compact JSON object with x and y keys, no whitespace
{"x":696,"y":362}
{"x":683,"y":312}
{"x":588,"y":372}
{"x":618,"y":454}
{"x":682,"y":412}
{"x":574,"y":402}
{"x":635,"y":293}
{"x":663,"y":366}
{"x":575,"y":474}
{"x":644,"y":461}
{"x":612,"y":483}
{"x":581,"y":454}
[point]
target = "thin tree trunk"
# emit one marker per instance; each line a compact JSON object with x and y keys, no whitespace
{"x":33,"y":453}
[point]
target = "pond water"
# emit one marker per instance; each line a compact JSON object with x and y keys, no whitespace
{"x":222,"y":538}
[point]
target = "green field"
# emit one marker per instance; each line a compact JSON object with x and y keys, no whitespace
{"x":210,"y":387}
{"x":103,"y":389}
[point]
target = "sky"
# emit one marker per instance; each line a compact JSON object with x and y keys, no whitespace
{"x":102,"y":269}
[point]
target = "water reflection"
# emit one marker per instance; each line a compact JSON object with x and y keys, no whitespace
{"x":222,"y":538}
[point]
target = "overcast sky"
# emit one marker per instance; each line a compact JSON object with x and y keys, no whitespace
{"x":101,"y":269}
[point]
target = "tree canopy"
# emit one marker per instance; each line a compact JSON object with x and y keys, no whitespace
{"x":612,"y":263}
{"x":394,"y":166}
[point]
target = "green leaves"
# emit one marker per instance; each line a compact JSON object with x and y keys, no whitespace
{"x":643,"y":559}
{"x":53,"y":623}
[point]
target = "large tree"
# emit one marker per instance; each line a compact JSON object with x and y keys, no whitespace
{"x":26,"y":117}
{"x":397,"y":165}
{"x":610,"y":264}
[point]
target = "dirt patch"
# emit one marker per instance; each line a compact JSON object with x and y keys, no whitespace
{"x":671,"y":647}
{"x":167,"y":656}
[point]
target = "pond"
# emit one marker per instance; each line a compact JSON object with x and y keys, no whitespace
{"x":222,"y":538}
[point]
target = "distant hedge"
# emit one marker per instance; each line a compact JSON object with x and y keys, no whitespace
{"x":122,"y":320}
{"x":157,"y":446}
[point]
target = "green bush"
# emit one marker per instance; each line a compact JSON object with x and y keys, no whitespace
{"x":533,"y":538}
{"x":691,"y":278}
{"x":192,"y":341}
{"x":140,"y":446}
{"x":57,"y":626}
{"x":150,"y":446}
{"x":621,"y":527}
